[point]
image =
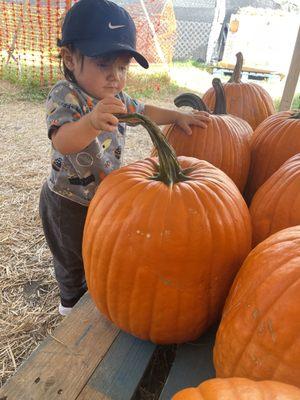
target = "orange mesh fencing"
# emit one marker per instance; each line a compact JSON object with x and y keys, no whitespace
{"x":29,"y":30}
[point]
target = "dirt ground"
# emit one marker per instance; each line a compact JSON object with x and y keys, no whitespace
{"x":28,"y":291}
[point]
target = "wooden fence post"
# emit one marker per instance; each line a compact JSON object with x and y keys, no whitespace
{"x":292,"y":78}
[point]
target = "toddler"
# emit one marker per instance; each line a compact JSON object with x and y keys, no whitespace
{"x":98,"y":41}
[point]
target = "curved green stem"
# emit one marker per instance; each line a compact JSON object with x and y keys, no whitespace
{"x":190,"y":100}
{"x":220,"y":106}
{"x":169,"y":170}
{"x":237,"y":72}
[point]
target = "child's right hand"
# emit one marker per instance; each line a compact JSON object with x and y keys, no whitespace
{"x":102,"y":118}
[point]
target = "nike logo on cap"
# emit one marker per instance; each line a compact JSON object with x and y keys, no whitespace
{"x":115,"y":26}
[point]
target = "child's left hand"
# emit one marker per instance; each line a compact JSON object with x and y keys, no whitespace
{"x":199,"y":118}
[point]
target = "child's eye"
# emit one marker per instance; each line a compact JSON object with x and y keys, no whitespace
{"x":102,"y":65}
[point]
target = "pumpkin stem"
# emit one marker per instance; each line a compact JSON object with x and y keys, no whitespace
{"x":237,"y":72}
{"x":220,"y":106}
{"x":190,"y":100}
{"x":169,"y":170}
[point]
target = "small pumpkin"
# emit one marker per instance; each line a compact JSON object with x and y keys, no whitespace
{"x":234,"y":25}
{"x":276,"y":204}
{"x":163,"y":242}
{"x":273,"y":142}
{"x":259,"y":334}
{"x":248,"y":101}
{"x":239,"y":389}
{"x":225,"y":142}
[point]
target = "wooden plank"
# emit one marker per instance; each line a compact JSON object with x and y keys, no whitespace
{"x":193,"y":364}
{"x":225,"y":65}
{"x":119,"y":373}
{"x":292,"y":78}
{"x":60,"y":367}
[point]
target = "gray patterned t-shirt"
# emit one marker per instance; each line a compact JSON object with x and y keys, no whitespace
{"x":77,"y":176}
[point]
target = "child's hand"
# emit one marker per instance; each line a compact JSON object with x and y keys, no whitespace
{"x":102,"y":118}
{"x":199,"y":118}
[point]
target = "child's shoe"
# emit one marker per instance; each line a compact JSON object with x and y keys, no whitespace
{"x":64,"y":310}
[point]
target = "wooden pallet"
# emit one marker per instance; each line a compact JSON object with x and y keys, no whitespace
{"x":248,"y":74}
{"x":88,"y":358}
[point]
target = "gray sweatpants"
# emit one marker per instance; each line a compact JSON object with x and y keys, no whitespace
{"x":63,"y":223}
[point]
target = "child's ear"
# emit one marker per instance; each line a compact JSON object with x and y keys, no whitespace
{"x":67,"y":58}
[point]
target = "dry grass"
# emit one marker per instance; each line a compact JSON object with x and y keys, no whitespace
{"x":29,"y":295}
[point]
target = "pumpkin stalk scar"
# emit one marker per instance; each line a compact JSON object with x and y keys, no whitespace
{"x":255,"y":313}
{"x":261,"y":328}
{"x":256,"y":361}
{"x":271,"y":330}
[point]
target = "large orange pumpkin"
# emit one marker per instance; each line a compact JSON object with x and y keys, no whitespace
{"x":273,"y":142}
{"x":259,"y":335}
{"x":239,"y":389}
{"x":248,"y":101}
{"x":225,"y":142}
{"x":162,"y":244}
{"x":276,"y":204}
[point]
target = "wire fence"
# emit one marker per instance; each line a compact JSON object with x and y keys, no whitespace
{"x":29,"y":30}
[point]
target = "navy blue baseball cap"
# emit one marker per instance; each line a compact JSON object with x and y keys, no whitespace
{"x":100,"y":27}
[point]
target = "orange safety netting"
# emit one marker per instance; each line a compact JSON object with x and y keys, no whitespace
{"x":29,"y":30}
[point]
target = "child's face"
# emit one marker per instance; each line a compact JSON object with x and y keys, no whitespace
{"x":101,"y":77}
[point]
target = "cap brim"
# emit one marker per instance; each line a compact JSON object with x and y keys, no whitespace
{"x":94,"y":49}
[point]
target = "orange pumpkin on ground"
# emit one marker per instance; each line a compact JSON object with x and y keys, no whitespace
{"x":259,"y":335}
{"x":239,"y":389}
{"x":248,"y":101}
{"x":276,"y":204}
{"x":162,"y":244}
{"x":225,"y":142}
{"x":273,"y":142}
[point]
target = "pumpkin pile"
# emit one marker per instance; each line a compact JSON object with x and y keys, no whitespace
{"x":163,"y":242}
{"x":257,"y":348}
{"x":225,"y":142}
{"x":166,"y":239}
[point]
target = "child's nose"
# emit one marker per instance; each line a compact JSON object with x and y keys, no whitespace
{"x":113,"y":74}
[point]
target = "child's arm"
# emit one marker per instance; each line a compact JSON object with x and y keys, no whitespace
{"x":164,"y":116}
{"x":75,"y":136}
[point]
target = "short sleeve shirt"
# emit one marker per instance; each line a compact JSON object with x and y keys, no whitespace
{"x":77,"y":176}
